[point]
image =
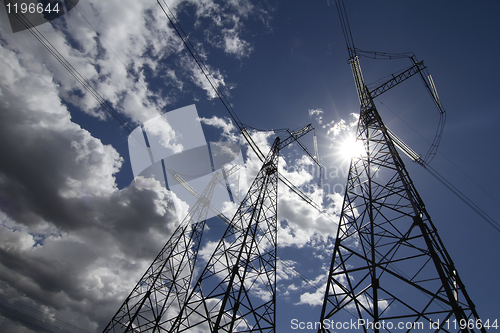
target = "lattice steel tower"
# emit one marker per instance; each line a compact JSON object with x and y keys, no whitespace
{"x":389,"y":266}
{"x":236,"y":290}
{"x":162,"y":290}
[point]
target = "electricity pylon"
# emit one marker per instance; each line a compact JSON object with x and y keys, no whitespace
{"x":390,"y":268}
{"x":236,"y":292}
{"x":167,"y":281}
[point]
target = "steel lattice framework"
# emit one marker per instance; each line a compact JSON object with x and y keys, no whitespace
{"x":166,"y":283}
{"x":236,"y":291}
{"x":389,"y":264}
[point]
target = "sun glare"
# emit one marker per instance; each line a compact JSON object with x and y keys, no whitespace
{"x":349,"y":148}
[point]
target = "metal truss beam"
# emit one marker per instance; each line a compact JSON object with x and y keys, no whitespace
{"x":397,"y":79}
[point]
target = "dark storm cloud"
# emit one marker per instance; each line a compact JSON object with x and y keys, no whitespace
{"x":72,"y":244}
{"x":70,"y":240}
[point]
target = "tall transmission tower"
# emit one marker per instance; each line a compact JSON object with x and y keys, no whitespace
{"x":390,"y":268}
{"x":166,"y":283}
{"x":236,"y":291}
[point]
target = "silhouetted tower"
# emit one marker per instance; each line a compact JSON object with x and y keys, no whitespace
{"x":236,"y":292}
{"x":389,"y":266}
{"x":162,"y":290}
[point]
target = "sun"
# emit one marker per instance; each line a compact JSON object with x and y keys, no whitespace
{"x":348,"y":147}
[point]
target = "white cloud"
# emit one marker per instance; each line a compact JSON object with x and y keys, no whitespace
{"x":285,"y":270}
{"x":234,"y":45}
{"x":130,"y":43}
{"x":315,"y":112}
{"x":199,"y":79}
{"x":168,"y":137}
{"x":15,"y":240}
{"x":335,"y":129}
{"x":304,"y":223}
{"x":244,"y":7}
{"x":318,"y":115}
{"x":225,"y":124}
{"x":316,"y":297}
{"x":227,"y":17}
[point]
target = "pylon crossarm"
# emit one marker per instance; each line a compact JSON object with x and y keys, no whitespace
{"x":397,"y":79}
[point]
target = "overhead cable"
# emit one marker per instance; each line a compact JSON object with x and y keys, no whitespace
{"x":459,"y":194}
{"x":108,"y":108}
{"x":199,"y":61}
{"x":72,"y":70}
{"x":220,"y":94}
{"x":462,"y":197}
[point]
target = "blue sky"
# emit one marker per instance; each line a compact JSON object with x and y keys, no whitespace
{"x":76,"y":232}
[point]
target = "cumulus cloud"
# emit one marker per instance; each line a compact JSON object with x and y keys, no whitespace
{"x":120,"y":46}
{"x":225,"y":124}
{"x":198,"y":77}
{"x":334,"y":129}
{"x":300,"y":224}
{"x":70,"y":239}
{"x":316,"y":297}
{"x":303,"y":223}
{"x":317,"y":113}
{"x":169,"y":139}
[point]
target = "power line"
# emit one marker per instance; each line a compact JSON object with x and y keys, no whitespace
{"x":463,"y":197}
{"x":443,"y":155}
{"x":70,"y":68}
{"x":203,"y":67}
{"x":87,"y":85}
{"x":109,"y":109}
{"x":109,"y":47}
{"x":199,"y":61}
{"x":459,"y":194}
{"x":37,"y":320}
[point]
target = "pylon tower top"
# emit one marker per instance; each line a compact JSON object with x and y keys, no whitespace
{"x":389,"y":267}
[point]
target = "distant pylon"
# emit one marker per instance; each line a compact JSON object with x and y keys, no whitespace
{"x":389,"y":266}
{"x":236,"y":291}
{"x":162,"y":290}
